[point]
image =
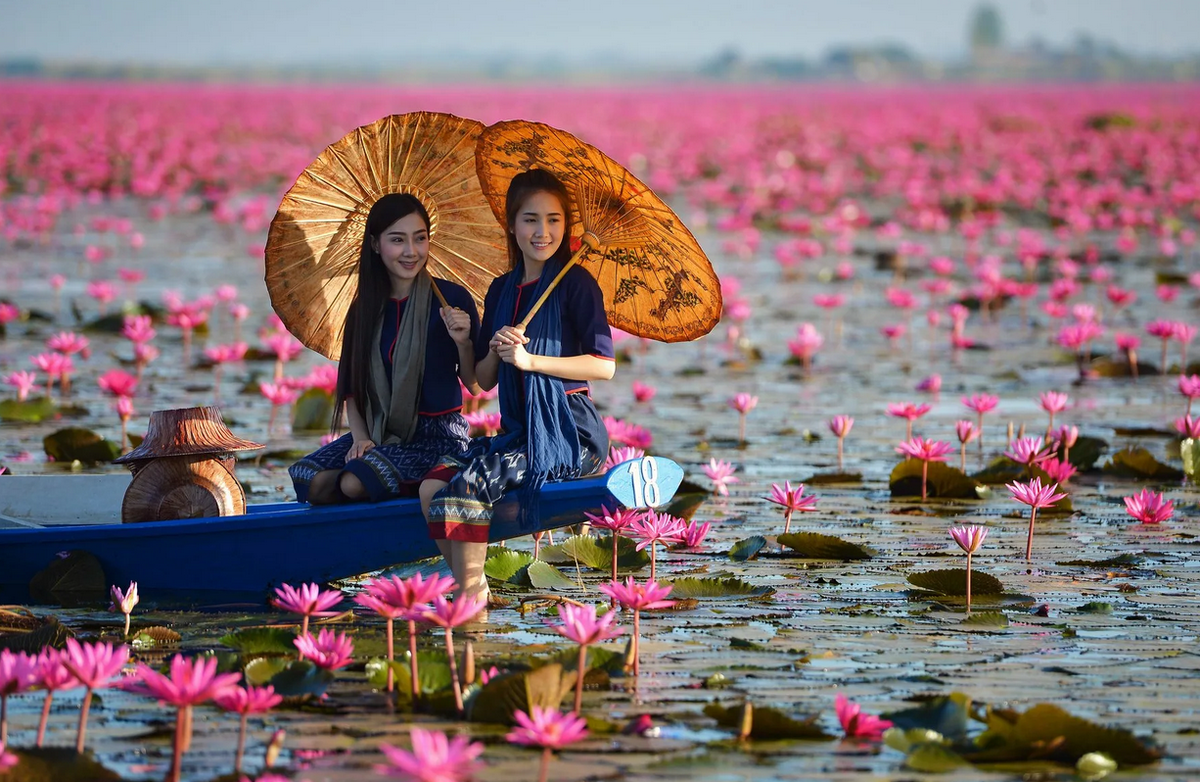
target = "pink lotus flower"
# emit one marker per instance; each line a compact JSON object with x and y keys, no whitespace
{"x":1189,"y":386}
{"x":226,"y":293}
{"x":1027,"y":451}
{"x":909,"y":412}
{"x":643,"y":393}
{"x":117,"y":383}
{"x":840,"y":425}
{"x":618,"y":455}
{"x":324,"y":377}
{"x":93,"y":665}
{"x":18,"y":672}
{"x":395,"y":598}
{"x":966,"y":431}
{"x":328,"y":650}
{"x":1035,"y":495}
{"x":931,"y":384}
{"x":244,"y":702}
{"x":615,"y":522}
{"x":969,"y":538}
{"x":484,"y":424}
{"x":927,"y":451}
{"x":1060,"y":471}
{"x":190,"y":682}
{"x":308,"y":600}
{"x":693,"y":533}
{"x":55,"y":365}
{"x":449,"y":615}
{"x":1188,"y":427}
{"x":623,"y":433}
{"x":285,"y":347}
{"x":24,"y":381}
{"x":857,"y":725}
{"x":549,"y":729}
{"x":52,"y":676}
{"x":653,"y":528}
{"x":805,"y":344}
{"x":581,"y":625}
{"x":279,"y":396}
{"x":103,"y":292}
{"x":434,"y":758}
{"x":637,"y":597}
{"x":1149,"y":507}
{"x":138,"y":329}
{"x":7,"y":759}
{"x":1052,"y":402}
{"x":743,"y":403}
{"x":124,"y":601}
{"x":69,"y":343}
{"x":791,"y":500}
{"x":721,"y":474}
{"x":1165,"y":331}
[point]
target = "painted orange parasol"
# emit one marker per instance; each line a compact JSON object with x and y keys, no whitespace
{"x":313,"y":246}
{"x":656,"y":280}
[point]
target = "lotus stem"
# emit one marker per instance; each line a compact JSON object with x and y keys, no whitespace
{"x":468,"y":660}
{"x":391,"y":654}
{"x":543,"y":774}
{"x":924,"y":478}
{"x":458,"y":701}
{"x":742,"y":428}
{"x":241,"y":745}
{"x":653,"y":559}
{"x":41,"y":734}
{"x":614,"y":560}
{"x":83,"y":715}
{"x":412,"y":657}
{"x":1164,"y":357}
{"x":840,"y":439}
{"x":968,"y":582}
{"x":579,"y":679}
{"x":1029,"y":540}
{"x":177,"y":749}
{"x":963,"y":458}
{"x":787,"y":520}
{"x":4,"y":719}
{"x":126,"y":625}
{"x":637,"y":616}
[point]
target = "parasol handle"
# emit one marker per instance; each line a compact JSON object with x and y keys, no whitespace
{"x":438,"y":293}
{"x":589,"y":241}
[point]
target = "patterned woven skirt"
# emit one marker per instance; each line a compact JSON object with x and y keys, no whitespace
{"x":390,"y":471}
{"x":463,"y":510}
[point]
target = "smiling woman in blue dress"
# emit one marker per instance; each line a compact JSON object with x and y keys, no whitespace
{"x":551,"y":430}
{"x":401,"y":362}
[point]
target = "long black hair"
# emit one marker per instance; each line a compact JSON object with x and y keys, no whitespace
{"x":374,"y":289}
{"x":521,"y":187}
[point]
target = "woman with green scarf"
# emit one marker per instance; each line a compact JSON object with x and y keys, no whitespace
{"x":401,"y":363}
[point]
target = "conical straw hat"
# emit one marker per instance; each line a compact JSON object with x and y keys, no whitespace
{"x":187,"y":431}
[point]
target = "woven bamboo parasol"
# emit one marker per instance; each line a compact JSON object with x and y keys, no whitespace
{"x":313,"y":246}
{"x":656,"y":280}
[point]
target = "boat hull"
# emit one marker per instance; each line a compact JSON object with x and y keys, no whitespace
{"x":240,"y":559}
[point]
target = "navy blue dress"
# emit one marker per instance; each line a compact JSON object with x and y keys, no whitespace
{"x":463,"y":509}
{"x":389,"y":471}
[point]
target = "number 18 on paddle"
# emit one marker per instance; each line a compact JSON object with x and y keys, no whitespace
{"x":646,"y":482}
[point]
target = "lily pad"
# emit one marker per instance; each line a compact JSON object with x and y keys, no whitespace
{"x":814,"y":545}
{"x":985,"y":619}
{"x":505,"y":564}
{"x":747,"y":548}
{"x":31,"y":411}
{"x":943,"y":481}
{"x":1126,"y":560}
{"x":953,"y":582}
{"x":1107,"y":366}
{"x":545,"y":576}
{"x":766,"y":723}
{"x":74,"y":580}
{"x":825,"y":478}
{"x":262,"y":640}
{"x":1001,"y":470}
{"x":78,"y":444}
{"x":57,"y":764}
{"x":52,"y":634}
{"x":1139,"y":463}
{"x":499,"y":699}
{"x":312,"y":411}
{"x":1048,"y":732}
{"x":932,"y":757}
{"x":716,"y":587}
{"x":302,"y":679}
{"x":1086,"y":452}
{"x":596,"y":553}
{"x":261,"y":670}
{"x":153,"y":637}
{"x":433,"y":673}
{"x":687,"y":500}
{"x":944,"y":714}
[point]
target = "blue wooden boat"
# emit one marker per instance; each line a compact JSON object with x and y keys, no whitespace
{"x":240,"y":559}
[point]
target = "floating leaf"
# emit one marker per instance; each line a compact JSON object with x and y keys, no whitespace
{"x":301,"y":679}
{"x":545,"y":576}
{"x":825,"y":478}
{"x":31,"y":411}
{"x":262,"y":640}
{"x":504,"y":695}
{"x":312,"y":411}
{"x":986,"y":619}
{"x":1096,"y":608}
{"x":944,"y":714}
{"x":687,"y":500}
{"x":261,"y":670}
{"x":505,"y":564}
{"x":596,"y":553}
{"x":151,"y":637}
{"x":766,"y":723}
{"x":747,"y":548}
{"x":814,"y":545}
{"x":715,"y":587}
{"x":74,"y":580}
{"x":52,"y":634}
{"x":433,"y":673}
{"x":1189,"y":451}
{"x":1122,"y":561}
{"x":933,"y":758}
{"x":1086,"y":452}
{"x":57,"y":764}
{"x":426,"y":567}
{"x":954,"y":582}
{"x":1139,"y":463}
{"x":1048,"y":732}
{"x":943,"y":481}
{"x":78,"y":444}
{"x":1001,"y":470}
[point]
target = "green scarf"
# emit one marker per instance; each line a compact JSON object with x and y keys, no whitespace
{"x":396,"y":422}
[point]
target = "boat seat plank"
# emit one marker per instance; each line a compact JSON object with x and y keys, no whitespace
{"x":51,"y":500}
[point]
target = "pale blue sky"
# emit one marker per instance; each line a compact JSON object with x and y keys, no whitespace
{"x":198,"y":32}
